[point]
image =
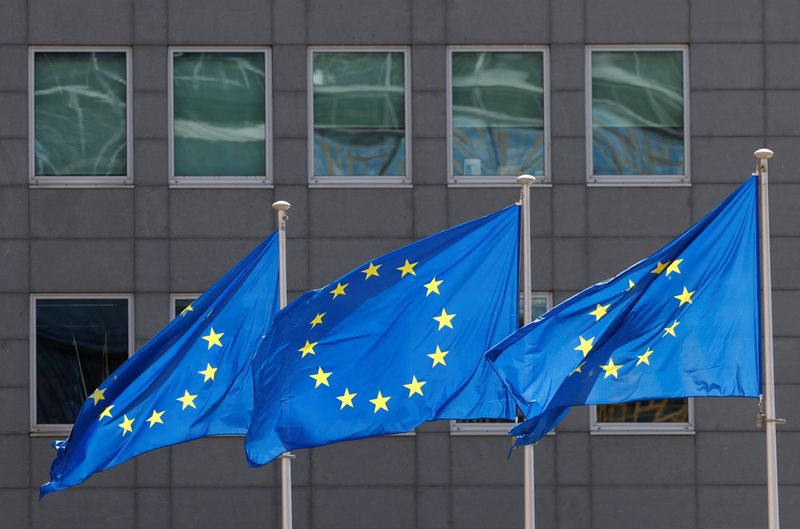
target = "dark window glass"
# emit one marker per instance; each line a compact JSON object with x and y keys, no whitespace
{"x":645,"y":411}
{"x":180,"y":305}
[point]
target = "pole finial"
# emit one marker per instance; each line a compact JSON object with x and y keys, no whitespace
{"x":281,"y":205}
{"x":526,"y":180}
{"x":763,"y":154}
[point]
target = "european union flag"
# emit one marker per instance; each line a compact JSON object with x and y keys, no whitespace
{"x":193,"y":379}
{"x":683,"y":322}
{"x":391,"y":344}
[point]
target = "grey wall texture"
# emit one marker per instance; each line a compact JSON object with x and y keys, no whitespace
{"x":151,"y":240}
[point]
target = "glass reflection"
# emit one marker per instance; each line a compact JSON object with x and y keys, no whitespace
{"x":645,"y":411}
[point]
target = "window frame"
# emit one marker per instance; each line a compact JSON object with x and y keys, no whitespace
{"x":642,"y":428}
{"x":638,"y":180}
{"x":211,"y":182}
{"x":388,"y":181}
{"x":47,"y":430}
{"x":458,"y":428}
{"x":175,"y":296}
{"x":498,"y":180}
{"x":80,"y":181}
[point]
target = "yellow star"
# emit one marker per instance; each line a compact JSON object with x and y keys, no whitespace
{"x":659,"y":267}
{"x":98,"y":395}
{"x":644,"y":358}
{"x":126,"y":425}
{"x":317,"y":319}
{"x":433,"y":286}
{"x":339,"y":290}
{"x":445,"y":319}
{"x":600,"y":311}
{"x":213,"y":338}
{"x":631,"y":284}
{"x":155,"y":418}
{"x":321,"y":377}
{"x":372,"y":270}
{"x":610,"y":368}
{"x":106,"y":412}
{"x":187,"y":399}
{"x":585,"y":346}
{"x":308,"y":349}
{"x":407,"y":268}
{"x":347,"y":398}
{"x":208,"y":373}
{"x":380,"y":402}
{"x":187,"y":310}
{"x":578,"y":369}
{"x":685,"y":296}
{"x":415,"y":386}
{"x":674,"y":267}
{"x":438,"y":357}
{"x":671,"y":329}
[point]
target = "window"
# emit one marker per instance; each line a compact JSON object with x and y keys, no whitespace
{"x":219,"y":129}
{"x":80,"y":116}
{"x":497,"y":105}
{"x":359,"y":117}
{"x":541,"y":302}
{"x":637,"y":111}
{"x":179,"y":302}
{"x":647,"y":417}
{"x":77,"y":341}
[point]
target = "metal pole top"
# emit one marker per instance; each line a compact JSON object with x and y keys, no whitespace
{"x":526,"y":180}
{"x":763,"y":154}
{"x":281,"y":205}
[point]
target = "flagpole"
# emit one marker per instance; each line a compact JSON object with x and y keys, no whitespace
{"x":768,"y":413}
{"x":525,"y":182}
{"x":280,"y":208}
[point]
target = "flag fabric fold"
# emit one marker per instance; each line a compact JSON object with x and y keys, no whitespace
{"x":193,"y":379}
{"x":684,"y":322}
{"x":391,"y":344}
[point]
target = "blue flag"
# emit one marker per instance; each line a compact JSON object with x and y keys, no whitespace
{"x":193,"y":379}
{"x":391,"y":344}
{"x":683,"y":322}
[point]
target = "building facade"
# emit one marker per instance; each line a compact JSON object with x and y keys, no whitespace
{"x":143,"y":141}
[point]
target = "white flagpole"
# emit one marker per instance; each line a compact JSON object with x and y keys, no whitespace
{"x":768,"y":413}
{"x":525,"y":181}
{"x":286,"y":459}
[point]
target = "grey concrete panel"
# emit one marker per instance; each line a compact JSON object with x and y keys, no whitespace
{"x":466,"y":204}
{"x":289,"y":115}
{"x":567,"y":118}
{"x":706,"y":197}
{"x":638,"y":211}
{"x":785,"y":262}
{"x":541,"y":212}
{"x":790,"y":505}
{"x":14,"y":212}
{"x":522,"y":23}
{"x":216,"y":462}
{"x":726,"y":66}
{"x":196,"y":22}
{"x":431,"y":504}
{"x":150,"y":115}
{"x":545,"y":504}
{"x":665,"y":507}
{"x":14,"y":109}
{"x":297,"y":263}
{"x":783,"y":166}
{"x":150,"y":21}
{"x":14,"y":506}
{"x":542,"y":264}
{"x":13,"y":162}
{"x":54,"y":22}
{"x":487,"y":507}
{"x":785,"y":306}
{"x":150,"y":163}
{"x":14,"y":323}
{"x":789,"y":457}
{"x":610,"y":256}
{"x":14,"y":65}
{"x":14,"y":266}
{"x":89,"y":509}
{"x":566,"y":67}
{"x":152,"y":265}
{"x":222,"y":213}
{"x":42,"y":455}
{"x":363,"y":507}
{"x":104,"y":265}
{"x":428,"y":67}
{"x":373,"y":212}
{"x":428,"y":21}
{"x":301,"y":468}
{"x":783,"y":61}
{"x":430,"y":161}
{"x":150,"y":69}
{"x":731,"y":414}
{"x":566,"y":21}
{"x":14,"y":356}
{"x":153,"y":508}
{"x":12,"y":400}
{"x":152,"y":313}
{"x":781,"y":19}
{"x":375,"y":462}
{"x":213,"y":508}
{"x":301,"y":506}
{"x":618,"y":461}
{"x":291,"y":161}
{"x":429,"y":114}
{"x":724,"y":160}
{"x":730,"y":458}
{"x":783,"y":112}
{"x":482,"y":460}
{"x":733,"y":507}
{"x":568,"y":161}
{"x":783,"y":200}
{"x":290,"y":68}
{"x":574,"y":508}
{"x":442,"y":426}
{"x":15,"y":27}
{"x":330,"y":258}
{"x":153,"y":468}
{"x":152,"y":211}
{"x":289,"y":26}
{"x":577,"y":420}
{"x":727,"y":113}
{"x":570,"y":264}
{"x":569,"y":210}
{"x":14,"y":460}
{"x":726,"y":21}
{"x":787,"y":360}
{"x":623,"y":21}
{"x":81,"y":213}
{"x":297,"y":196}
{"x":573,"y":458}
{"x":430,"y":210}
{"x":786,"y":397}
{"x":380,"y":22}
{"x":433,"y":458}
{"x":195,"y":264}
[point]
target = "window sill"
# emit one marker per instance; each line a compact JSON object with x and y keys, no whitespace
{"x":496,"y":182}
{"x":81,"y":185}
{"x":356,"y":182}
{"x":628,"y":430}
{"x":639,"y":181}
{"x":219,"y":182}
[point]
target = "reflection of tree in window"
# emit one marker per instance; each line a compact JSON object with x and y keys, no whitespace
{"x":645,"y":411}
